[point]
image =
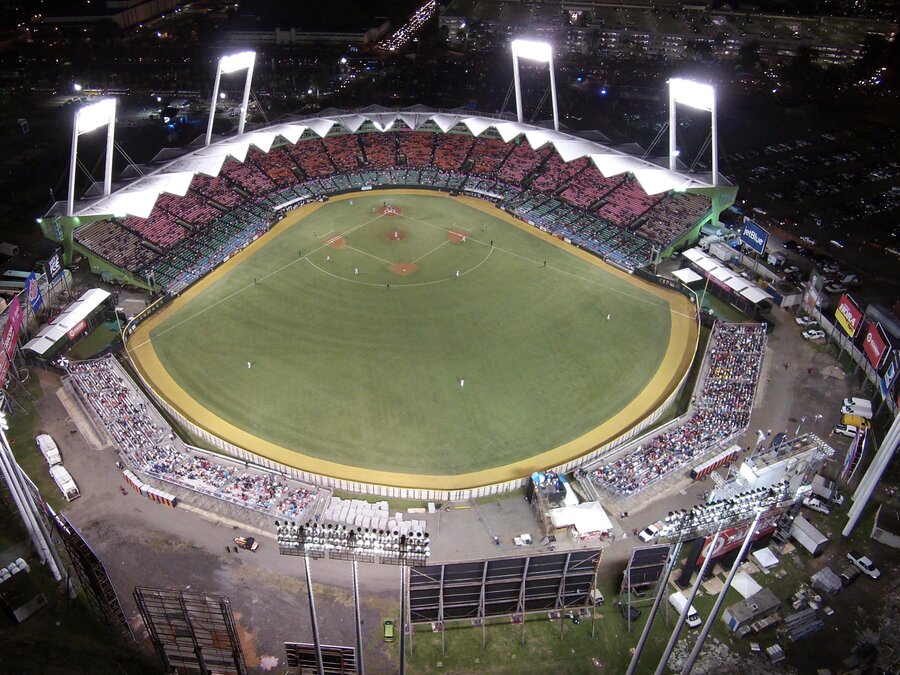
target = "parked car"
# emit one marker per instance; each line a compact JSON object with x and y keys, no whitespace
{"x":809,"y":241}
{"x":846,"y":430}
{"x":837,"y":242}
{"x":388,"y":631}
{"x":814,"y":334}
{"x":849,"y":574}
{"x":791,"y":269}
{"x":246,"y":543}
{"x":835,"y":288}
{"x":816,"y":505}
{"x":648,"y":534}
{"x":865,"y":564}
{"x":805,"y":321}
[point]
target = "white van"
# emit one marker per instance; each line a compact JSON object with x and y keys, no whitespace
{"x":64,"y":482}
{"x":858,"y":401}
{"x":863,"y":411}
{"x":48,"y":449}
{"x":678,"y":601}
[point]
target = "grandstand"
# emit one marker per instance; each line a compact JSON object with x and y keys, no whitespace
{"x":182,"y":236}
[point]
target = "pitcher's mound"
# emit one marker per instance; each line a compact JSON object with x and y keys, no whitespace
{"x":337,"y":242}
{"x":403,"y":269}
{"x":390,"y":210}
{"x":396,"y":235}
{"x":456,"y":237}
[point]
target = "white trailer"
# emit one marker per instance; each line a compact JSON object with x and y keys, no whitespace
{"x":805,"y":534}
{"x":49,"y":449}
{"x":64,"y":482}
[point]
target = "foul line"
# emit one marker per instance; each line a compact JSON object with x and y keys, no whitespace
{"x":432,"y":251}
{"x":371,"y":255}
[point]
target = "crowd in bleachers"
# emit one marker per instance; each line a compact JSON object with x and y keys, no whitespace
{"x":720,"y":412}
{"x":150,"y":446}
{"x":185,"y":237}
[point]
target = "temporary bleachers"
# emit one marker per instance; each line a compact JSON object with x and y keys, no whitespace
{"x":344,"y":151}
{"x":627,"y":202}
{"x":380,"y":149}
{"x":451,"y":151}
{"x":416,"y":147}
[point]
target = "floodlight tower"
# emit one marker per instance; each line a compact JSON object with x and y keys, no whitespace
{"x":230,"y":64}
{"x":700,"y":97}
{"x":541,"y":52}
{"x":87,"y":119}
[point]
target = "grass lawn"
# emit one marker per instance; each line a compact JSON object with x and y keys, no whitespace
{"x":475,"y":356}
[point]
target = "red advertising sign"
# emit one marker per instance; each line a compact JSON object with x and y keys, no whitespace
{"x":733,"y":537}
{"x":875,"y":345}
{"x":9,"y":337}
{"x":76,"y":330}
{"x":849,"y":315}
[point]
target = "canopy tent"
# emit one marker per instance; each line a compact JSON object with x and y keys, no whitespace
{"x":586,"y":517}
{"x":686,"y":275}
{"x":745,"y":585}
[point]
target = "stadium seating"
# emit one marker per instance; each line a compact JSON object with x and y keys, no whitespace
{"x":216,"y":189}
{"x":451,"y":151}
{"x":487,"y":156}
{"x":417,"y":148}
{"x":380,"y":149}
{"x":590,"y":187}
{"x":190,"y":209}
{"x":115,"y":244}
{"x":150,"y":447}
{"x":557,"y":173}
{"x":671,"y":217}
{"x":312,"y":158}
{"x":344,"y":151}
{"x":721,"y":412}
{"x":276,"y":164}
{"x":248,"y":177}
{"x":626,"y":203}
{"x":522,"y":161}
{"x":160,"y":229}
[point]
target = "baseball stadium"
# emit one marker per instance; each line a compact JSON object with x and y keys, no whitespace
{"x":408,"y":303}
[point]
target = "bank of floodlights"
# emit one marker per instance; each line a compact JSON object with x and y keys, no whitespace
{"x":541,"y":52}
{"x":698,"y":96}
{"x":340,"y":542}
{"x":231,"y":64}
{"x":707,"y":518}
{"x":88,"y":118}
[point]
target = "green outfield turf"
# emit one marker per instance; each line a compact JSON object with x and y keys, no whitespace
{"x":478,"y":357}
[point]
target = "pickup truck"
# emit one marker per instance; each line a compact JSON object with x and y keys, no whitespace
{"x":864,"y":563}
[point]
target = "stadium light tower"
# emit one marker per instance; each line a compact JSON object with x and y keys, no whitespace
{"x":230,"y":64}
{"x":87,"y":119}
{"x":700,"y":97}
{"x":542,"y":52}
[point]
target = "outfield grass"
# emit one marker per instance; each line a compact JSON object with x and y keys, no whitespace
{"x":359,"y":365}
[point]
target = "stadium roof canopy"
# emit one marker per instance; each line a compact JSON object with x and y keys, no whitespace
{"x":137,"y":197}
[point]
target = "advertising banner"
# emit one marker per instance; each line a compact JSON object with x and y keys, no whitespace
{"x":754,"y":236}
{"x":849,"y":315}
{"x":876,"y":345}
{"x":77,"y":329}
{"x":9,"y":337}
{"x":733,"y":537}
{"x":54,"y":267}
{"x":35,"y":299}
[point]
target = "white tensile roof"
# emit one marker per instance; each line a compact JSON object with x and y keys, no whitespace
{"x":62,"y":324}
{"x":174,"y":177}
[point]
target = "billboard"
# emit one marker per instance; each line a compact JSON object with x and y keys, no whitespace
{"x":732,"y":538}
{"x":9,"y":337}
{"x":876,"y":345}
{"x":35,"y":299}
{"x":754,"y":236}
{"x":849,"y":315}
{"x":54,"y":267}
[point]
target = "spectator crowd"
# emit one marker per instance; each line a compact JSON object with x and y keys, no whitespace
{"x":720,"y":412}
{"x":150,"y":447}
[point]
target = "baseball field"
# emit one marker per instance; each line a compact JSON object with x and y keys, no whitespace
{"x":415,"y":339}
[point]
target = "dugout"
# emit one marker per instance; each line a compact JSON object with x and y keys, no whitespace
{"x":67,"y":328}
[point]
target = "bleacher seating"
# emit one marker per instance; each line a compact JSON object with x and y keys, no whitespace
{"x":160,"y":229}
{"x":557,"y":173}
{"x":344,"y":151}
{"x":276,"y":164}
{"x":451,"y":151}
{"x":589,"y":187}
{"x":312,"y":157}
{"x":487,"y":155}
{"x":217,"y":189}
{"x":416,"y":147}
{"x":522,"y":161}
{"x":380,"y":149}
{"x":190,"y":208}
{"x":627,"y":202}
{"x":672,"y":216}
{"x":248,"y":176}
{"x":114,"y":243}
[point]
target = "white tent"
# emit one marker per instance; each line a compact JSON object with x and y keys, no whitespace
{"x":585,"y":518}
{"x":687,"y":275}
